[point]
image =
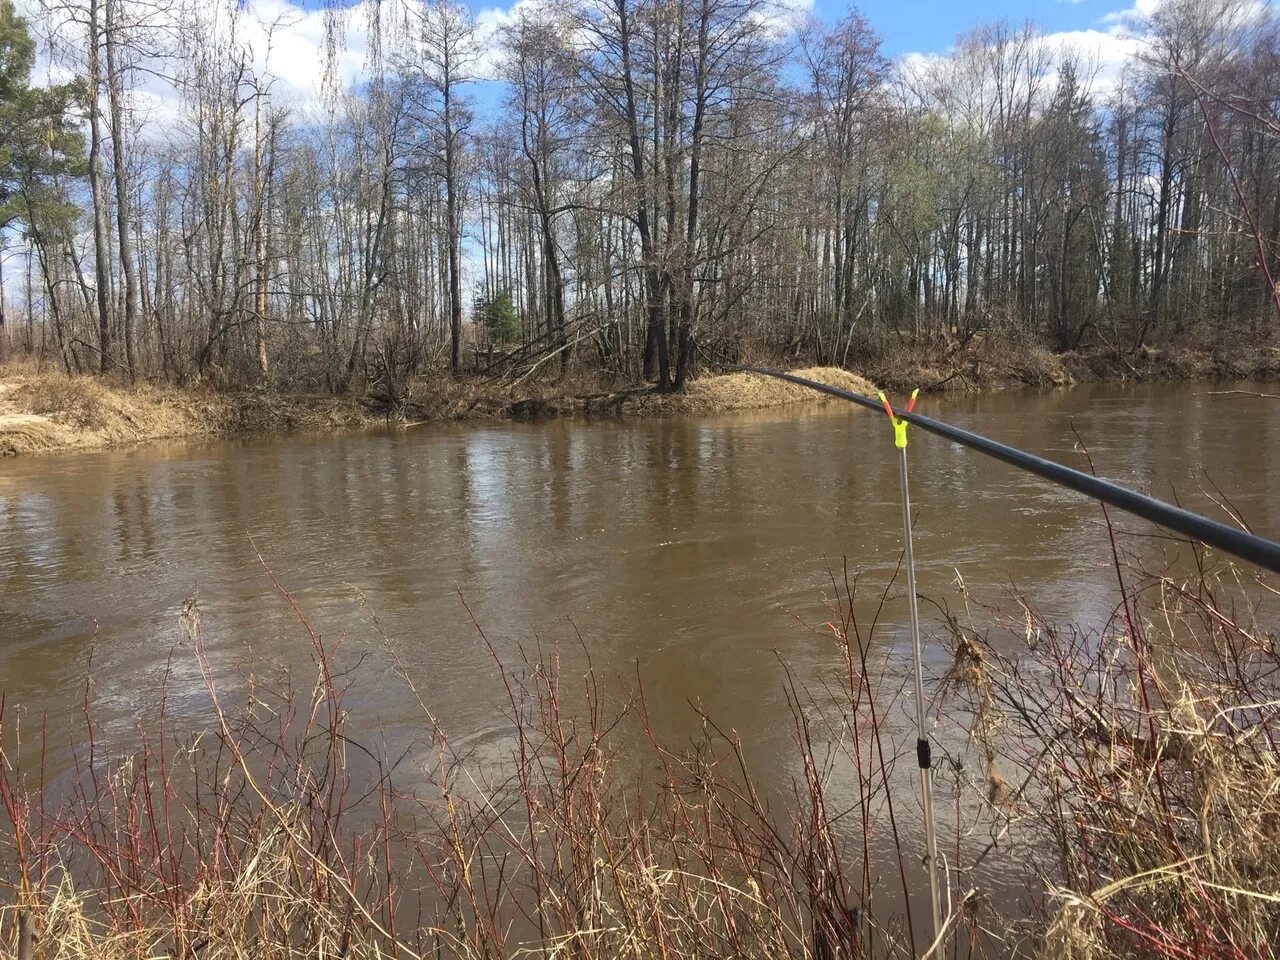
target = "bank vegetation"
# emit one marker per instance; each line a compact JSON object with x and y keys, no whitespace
{"x":42,"y":412}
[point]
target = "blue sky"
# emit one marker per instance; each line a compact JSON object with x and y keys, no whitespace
{"x":299,"y":54}
{"x":927,"y":27}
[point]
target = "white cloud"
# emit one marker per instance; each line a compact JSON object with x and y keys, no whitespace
{"x":1140,"y":12}
{"x":783,"y":17}
{"x":291,"y":44}
{"x":1102,"y":53}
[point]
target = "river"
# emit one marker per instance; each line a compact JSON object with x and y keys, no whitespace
{"x":687,"y":549}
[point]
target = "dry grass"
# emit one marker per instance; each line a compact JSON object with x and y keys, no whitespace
{"x":51,"y":412}
{"x":751,"y":391}
{"x":724,"y":393}
{"x":1142,"y":801}
{"x":43,"y":412}
{"x":1146,"y":757}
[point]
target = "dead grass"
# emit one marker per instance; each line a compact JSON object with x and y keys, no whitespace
{"x":751,"y":391}
{"x":45,"y":412}
{"x":1145,"y":756}
{"x":50,"y":412}
{"x":723,"y":393}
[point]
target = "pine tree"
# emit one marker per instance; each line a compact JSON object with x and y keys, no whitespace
{"x":39,"y":137}
{"x":39,"y":140}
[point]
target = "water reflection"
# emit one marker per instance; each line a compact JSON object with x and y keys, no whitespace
{"x":693,"y":548}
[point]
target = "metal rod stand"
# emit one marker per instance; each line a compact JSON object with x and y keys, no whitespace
{"x":923,"y":752}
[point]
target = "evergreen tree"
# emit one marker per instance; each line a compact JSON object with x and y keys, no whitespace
{"x":501,"y":320}
{"x":40,"y":139}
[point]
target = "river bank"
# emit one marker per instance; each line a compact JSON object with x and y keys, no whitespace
{"x":984,"y":363}
{"x":49,"y":412}
{"x":45,"y":411}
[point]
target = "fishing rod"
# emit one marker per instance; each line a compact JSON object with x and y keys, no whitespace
{"x":1265,"y":553}
{"x":1239,"y":543}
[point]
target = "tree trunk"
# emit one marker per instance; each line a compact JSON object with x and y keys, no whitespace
{"x":101,"y":251}
{"x":261,"y":181}
{"x":115,"y":94}
{"x":656,"y":348}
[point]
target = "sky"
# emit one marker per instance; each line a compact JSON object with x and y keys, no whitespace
{"x":921,"y":26}
{"x":1097,"y":29}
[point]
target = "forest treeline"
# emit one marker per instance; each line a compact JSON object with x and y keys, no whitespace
{"x":626,"y":184}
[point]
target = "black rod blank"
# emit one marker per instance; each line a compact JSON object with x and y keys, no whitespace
{"x":1257,"y":550}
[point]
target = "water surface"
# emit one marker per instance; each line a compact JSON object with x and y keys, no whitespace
{"x":689,"y":549}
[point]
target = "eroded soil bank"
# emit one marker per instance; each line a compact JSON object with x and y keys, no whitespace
{"x":45,"y":412}
{"x":41,"y":412}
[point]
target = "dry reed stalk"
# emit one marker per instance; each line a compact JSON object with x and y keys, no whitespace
{"x":1143,"y":801}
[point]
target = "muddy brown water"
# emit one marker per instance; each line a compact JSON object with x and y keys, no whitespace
{"x":689,"y":549}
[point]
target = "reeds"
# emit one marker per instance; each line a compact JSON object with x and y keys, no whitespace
{"x":1125,"y":775}
{"x":277,"y":834}
{"x":1145,"y":751}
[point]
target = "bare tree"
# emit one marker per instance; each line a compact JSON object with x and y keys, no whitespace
{"x":662,"y":179}
{"x":447,"y":46}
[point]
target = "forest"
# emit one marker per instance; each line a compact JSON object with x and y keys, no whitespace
{"x":628,"y":186}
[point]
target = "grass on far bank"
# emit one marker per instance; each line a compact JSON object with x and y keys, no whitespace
{"x":45,"y":412}
{"x":49,"y":411}
{"x":717,"y":393}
